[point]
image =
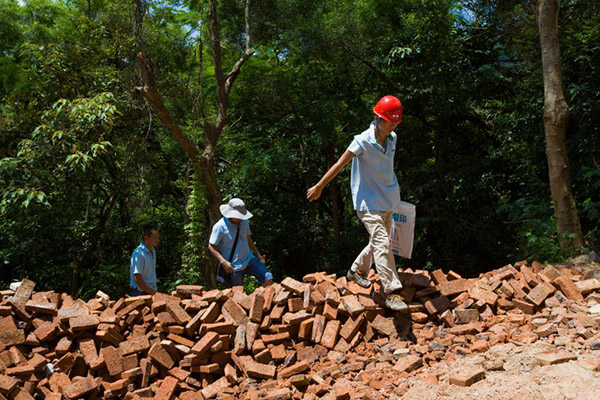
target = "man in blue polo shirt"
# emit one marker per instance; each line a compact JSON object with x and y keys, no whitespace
{"x":375,"y":195}
{"x":230,"y":243}
{"x":142,"y":276}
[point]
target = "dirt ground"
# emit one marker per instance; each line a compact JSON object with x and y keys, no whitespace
{"x":521,"y":377}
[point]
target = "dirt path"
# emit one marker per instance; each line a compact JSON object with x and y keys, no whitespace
{"x":522,"y":377}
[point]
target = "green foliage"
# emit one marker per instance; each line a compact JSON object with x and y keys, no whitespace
{"x":84,"y":163}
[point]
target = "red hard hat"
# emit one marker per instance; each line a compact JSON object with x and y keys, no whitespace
{"x":389,"y":108}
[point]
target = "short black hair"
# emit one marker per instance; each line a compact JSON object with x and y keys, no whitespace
{"x":148,"y":229}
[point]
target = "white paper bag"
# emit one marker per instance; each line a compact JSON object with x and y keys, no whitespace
{"x":403,"y":230}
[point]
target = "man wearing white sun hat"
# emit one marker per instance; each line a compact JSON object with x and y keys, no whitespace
{"x":231,"y":244}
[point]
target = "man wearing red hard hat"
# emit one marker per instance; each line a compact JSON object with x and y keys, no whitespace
{"x":375,"y":195}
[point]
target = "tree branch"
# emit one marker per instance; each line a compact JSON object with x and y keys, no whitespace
{"x":150,"y":92}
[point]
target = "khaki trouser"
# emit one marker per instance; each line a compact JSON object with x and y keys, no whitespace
{"x":379,"y":225}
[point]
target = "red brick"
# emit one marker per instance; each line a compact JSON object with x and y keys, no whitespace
{"x":188,"y":290}
{"x":258,"y":370}
{"x":113,"y":360}
{"x":295,"y":369}
{"x":46,"y":331}
{"x":136,"y":344}
{"x":465,"y":316}
{"x":551,"y":357}
{"x":118,"y":385}
{"x":146,"y":367}
{"x":352,"y":305}
{"x":234,"y":312}
{"x":138,"y":302}
{"x":506,"y":290}
{"x":549,"y":273}
{"x":569,"y":289}
{"x":80,"y":388}
{"x":13,"y":337}
{"x":7,"y":384}
{"x":466,"y":377}
{"x":487,"y":296}
{"x":305,"y":331}
{"x":330,"y":311}
{"x":159,"y":354}
{"x":24,"y":291}
{"x":276,"y":338}
{"x":223,"y":328}
{"x":437,"y":305}
{"x":256,"y":309}
{"x":451,"y":275}
{"x":239,"y":342}
{"x":518,"y":289}
{"x":211,"y":314}
{"x":451,"y":288}
{"x":21,"y":394}
{"x":538,"y":294}
{"x":41,"y":307}
{"x":214,"y":388}
{"x":59,"y":382}
{"x":466,"y":329}
{"x":438,"y":277}
{"x":296,"y":318}
{"x":330,"y":334}
{"x":587,"y":286}
{"x":295,"y":304}
{"x":413,"y":279}
{"x":178,"y":313}
{"x":408,"y":363}
{"x":167,"y":388}
{"x":83,"y":323}
{"x":251,"y":331}
{"x":318,"y":328}
{"x":204,"y":344}
{"x":384,"y":325}
{"x":63,"y":345}
{"x":293,"y":285}
{"x":351,"y":327}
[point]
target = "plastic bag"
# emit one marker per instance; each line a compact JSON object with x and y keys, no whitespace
{"x":403,"y":230}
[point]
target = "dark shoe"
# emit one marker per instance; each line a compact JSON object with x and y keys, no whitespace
{"x":358,"y":278}
{"x":395,"y":302}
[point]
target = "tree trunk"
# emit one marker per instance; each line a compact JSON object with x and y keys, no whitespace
{"x":556,"y":112}
{"x":202,"y":159}
{"x":336,"y":200}
{"x":209,"y":180}
{"x":93,"y":244}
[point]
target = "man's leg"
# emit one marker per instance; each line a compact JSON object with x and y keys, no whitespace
{"x":379,"y":225}
{"x":359,"y":270}
{"x":260,"y":271}
{"x":384,"y":258}
{"x":237,"y":278}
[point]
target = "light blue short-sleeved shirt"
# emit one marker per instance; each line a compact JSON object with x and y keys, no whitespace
{"x":223,"y":236}
{"x":143,"y":262}
{"x":373,"y":182}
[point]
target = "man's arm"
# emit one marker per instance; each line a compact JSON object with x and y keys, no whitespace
{"x":255,"y":250}
{"x":216,"y":254}
{"x":141,"y":285}
{"x":315,"y":192}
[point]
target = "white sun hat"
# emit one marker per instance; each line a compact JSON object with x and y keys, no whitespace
{"x":235,"y":209}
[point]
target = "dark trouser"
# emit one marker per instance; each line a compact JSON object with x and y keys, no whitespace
{"x":137,"y":292}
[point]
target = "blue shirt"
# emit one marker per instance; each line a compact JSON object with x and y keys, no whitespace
{"x":223,"y":236}
{"x":373,"y":182}
{"x":143,"y":262}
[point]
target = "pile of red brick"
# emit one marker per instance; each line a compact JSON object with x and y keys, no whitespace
{"x":291,"y":340}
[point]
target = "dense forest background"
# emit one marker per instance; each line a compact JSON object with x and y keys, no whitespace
{"x":85,"y":163}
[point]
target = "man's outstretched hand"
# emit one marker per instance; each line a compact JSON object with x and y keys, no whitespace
{"x":314,"y":193}
{"x":227,"y":267}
